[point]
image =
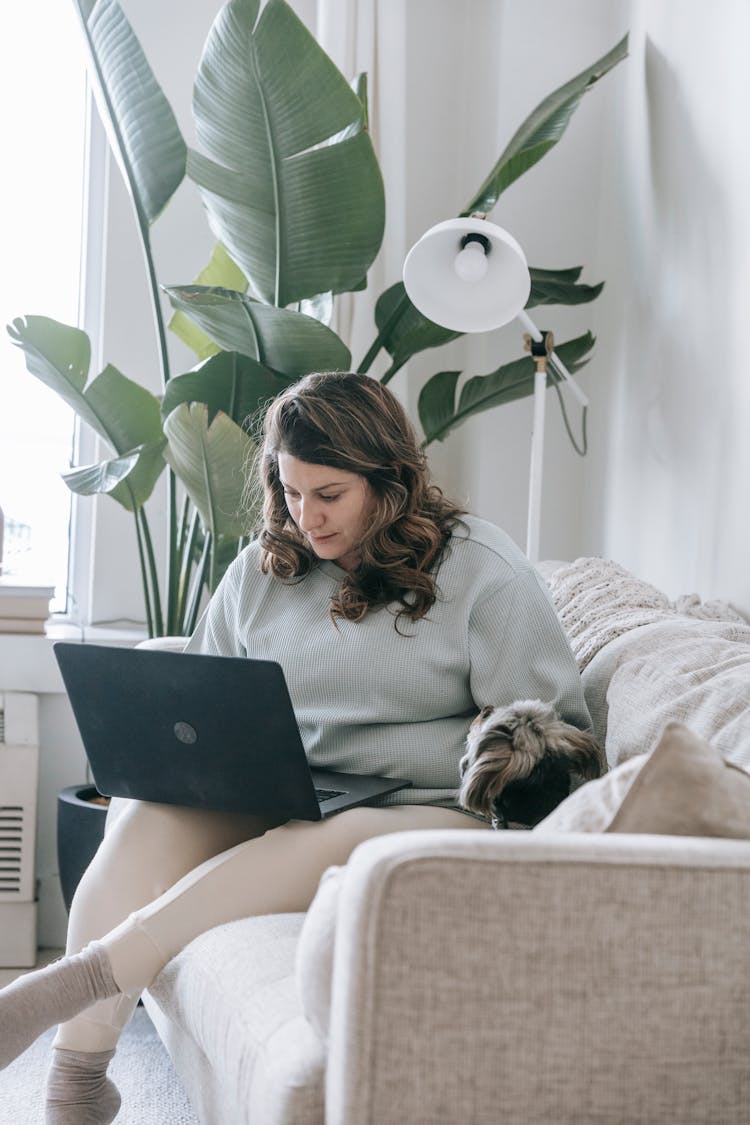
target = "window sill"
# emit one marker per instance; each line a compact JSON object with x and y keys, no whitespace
{"x":27,"y":662}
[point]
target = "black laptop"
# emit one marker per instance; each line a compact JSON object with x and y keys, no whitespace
{"x":215,"y":732}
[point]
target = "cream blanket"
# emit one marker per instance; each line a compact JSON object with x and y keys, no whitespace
{"x":692,"y":664}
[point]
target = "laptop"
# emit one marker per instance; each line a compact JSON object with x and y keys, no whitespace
{"x":215,"y":732}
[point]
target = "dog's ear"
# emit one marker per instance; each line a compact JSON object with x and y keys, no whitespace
{"x":496,"y":759}
{"x":579,"y":747}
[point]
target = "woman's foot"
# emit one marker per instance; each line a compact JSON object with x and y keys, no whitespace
{"x":38,"y":1000}
{"x":78,"y":1090}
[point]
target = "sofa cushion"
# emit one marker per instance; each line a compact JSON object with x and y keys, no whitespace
{"x":315,"y":950}
{"x":684,"y":788}
{"x":228,"y":1011}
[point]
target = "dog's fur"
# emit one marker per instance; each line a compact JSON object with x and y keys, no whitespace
{"x":521,"y":761}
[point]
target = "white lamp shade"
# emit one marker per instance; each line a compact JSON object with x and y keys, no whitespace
{"x":481,"y":299}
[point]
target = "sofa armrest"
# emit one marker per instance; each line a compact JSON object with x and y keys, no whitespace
{"x":518,"y":978}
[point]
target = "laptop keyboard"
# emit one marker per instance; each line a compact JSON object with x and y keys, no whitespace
{"x":326,"y":794}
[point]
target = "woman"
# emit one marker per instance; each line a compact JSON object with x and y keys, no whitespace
{"x":396,"y":618}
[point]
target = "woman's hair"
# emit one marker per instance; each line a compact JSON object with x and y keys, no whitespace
{"x":352,"y":422}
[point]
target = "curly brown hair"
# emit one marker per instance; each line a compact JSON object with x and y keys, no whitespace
{"x":352,"y":422}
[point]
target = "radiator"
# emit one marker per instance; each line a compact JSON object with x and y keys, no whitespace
{"x":19,"y":776}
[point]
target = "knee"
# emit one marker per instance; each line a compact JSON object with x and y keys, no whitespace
{"x":137,"y":860}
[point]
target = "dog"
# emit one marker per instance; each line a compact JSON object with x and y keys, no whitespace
{"x":521,"y":761}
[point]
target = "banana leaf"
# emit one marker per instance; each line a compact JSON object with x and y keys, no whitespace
{"x":128,"y":479}
{"x":219,"y":271}
{"x":403,"y":331}
{"x":142,"y":128}
{"x":281,"y":339}
{"x":541,"y":130}
{"x":211,"y":461}
{"x":440,"y":413}
{"x":227,"y":382}
{"x":560,"y":287}
{"x":120,"y":411}
{"x":288,"y":173}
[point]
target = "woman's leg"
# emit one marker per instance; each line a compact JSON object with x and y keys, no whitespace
{"x":146,"y":849}
{"x":271,"y":873}
{"x":276,"y":873}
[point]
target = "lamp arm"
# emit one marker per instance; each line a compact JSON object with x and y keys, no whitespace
{"x":554,"y":359}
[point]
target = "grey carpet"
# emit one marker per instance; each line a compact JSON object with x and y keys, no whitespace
{"x":141,"y":1069}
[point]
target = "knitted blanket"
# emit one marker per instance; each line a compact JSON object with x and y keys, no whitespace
{"x":598,"y":600}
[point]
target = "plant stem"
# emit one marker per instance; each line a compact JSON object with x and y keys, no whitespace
{"x":170,"y":579}
{"x":158,"y":620}
{"x":198,"y":583}
{"x":144,"y":576}
{"x":386,"y":378}
{"x":187,"y":558}
{"x":383,"y":334}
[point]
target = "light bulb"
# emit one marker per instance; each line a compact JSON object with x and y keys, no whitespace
{"x":471,"y":263}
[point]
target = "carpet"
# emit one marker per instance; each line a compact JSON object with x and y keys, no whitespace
{"x":142,"y":1071}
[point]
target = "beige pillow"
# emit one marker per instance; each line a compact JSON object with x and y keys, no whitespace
{"x":686,"y":788}
{"x":683,"y":788}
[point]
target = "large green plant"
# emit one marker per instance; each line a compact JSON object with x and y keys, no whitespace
{"x":294,"y":196}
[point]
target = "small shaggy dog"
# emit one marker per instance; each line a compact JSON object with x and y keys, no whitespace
{"x":521,"y":761}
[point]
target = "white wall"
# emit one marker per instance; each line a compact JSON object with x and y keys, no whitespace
{"x":668,"y":479}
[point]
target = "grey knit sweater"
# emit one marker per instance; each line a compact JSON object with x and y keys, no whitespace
{"x":369,"y":699}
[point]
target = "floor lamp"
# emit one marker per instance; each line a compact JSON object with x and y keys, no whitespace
{"x":470,"y":275}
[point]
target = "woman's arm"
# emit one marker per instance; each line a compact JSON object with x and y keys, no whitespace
{"x":519,"y":650}
{"x":217,"y":632}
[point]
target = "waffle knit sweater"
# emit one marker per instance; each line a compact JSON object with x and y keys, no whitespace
{"x":371,"y":700}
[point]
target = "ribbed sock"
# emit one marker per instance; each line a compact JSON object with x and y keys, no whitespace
{"x":78,"y":1090}
{"x":36,"y":1001}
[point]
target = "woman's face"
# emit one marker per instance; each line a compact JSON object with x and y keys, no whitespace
{"x":331,"y":507}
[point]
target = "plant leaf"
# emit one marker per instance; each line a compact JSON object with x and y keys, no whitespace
{"x":288,"y":173}
{"x":128,"y":479}
{"x":90,"y":480}
{"x":439,"y":413}
{"x":410,"y":332}
{"x":210,"y":461}
{"x":222,"y":271}
{"x":120,"y":411}
{"x":229,"y":382}
{"x":281,"y":339}
{"x":541,"y":130}
{"x":559,"y":287}
{"x":142,"y":128}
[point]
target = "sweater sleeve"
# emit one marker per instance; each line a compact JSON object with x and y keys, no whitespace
{"x":217,"y":632}
{"x":518,"y":650}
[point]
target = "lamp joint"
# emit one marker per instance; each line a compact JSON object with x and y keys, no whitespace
{"x":540,"y":350}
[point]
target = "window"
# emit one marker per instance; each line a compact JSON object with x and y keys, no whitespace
{"x":43,"y":94}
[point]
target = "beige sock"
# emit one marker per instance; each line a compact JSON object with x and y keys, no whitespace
{"x":78,"y":1090}
{"x":36,"y":1001}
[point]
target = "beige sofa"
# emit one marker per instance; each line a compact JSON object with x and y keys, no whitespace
{"x":518,"y":978}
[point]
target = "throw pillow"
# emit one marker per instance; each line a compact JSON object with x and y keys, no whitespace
{"x":683,"y":788}
{"x":686,"y":788}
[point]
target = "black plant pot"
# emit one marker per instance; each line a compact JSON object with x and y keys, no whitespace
{"x":80,"y":830}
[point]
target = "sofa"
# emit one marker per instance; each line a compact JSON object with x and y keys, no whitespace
{"x":594,"y":970}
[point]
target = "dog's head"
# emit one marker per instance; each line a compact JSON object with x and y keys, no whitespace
{"x":521,"y":761}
